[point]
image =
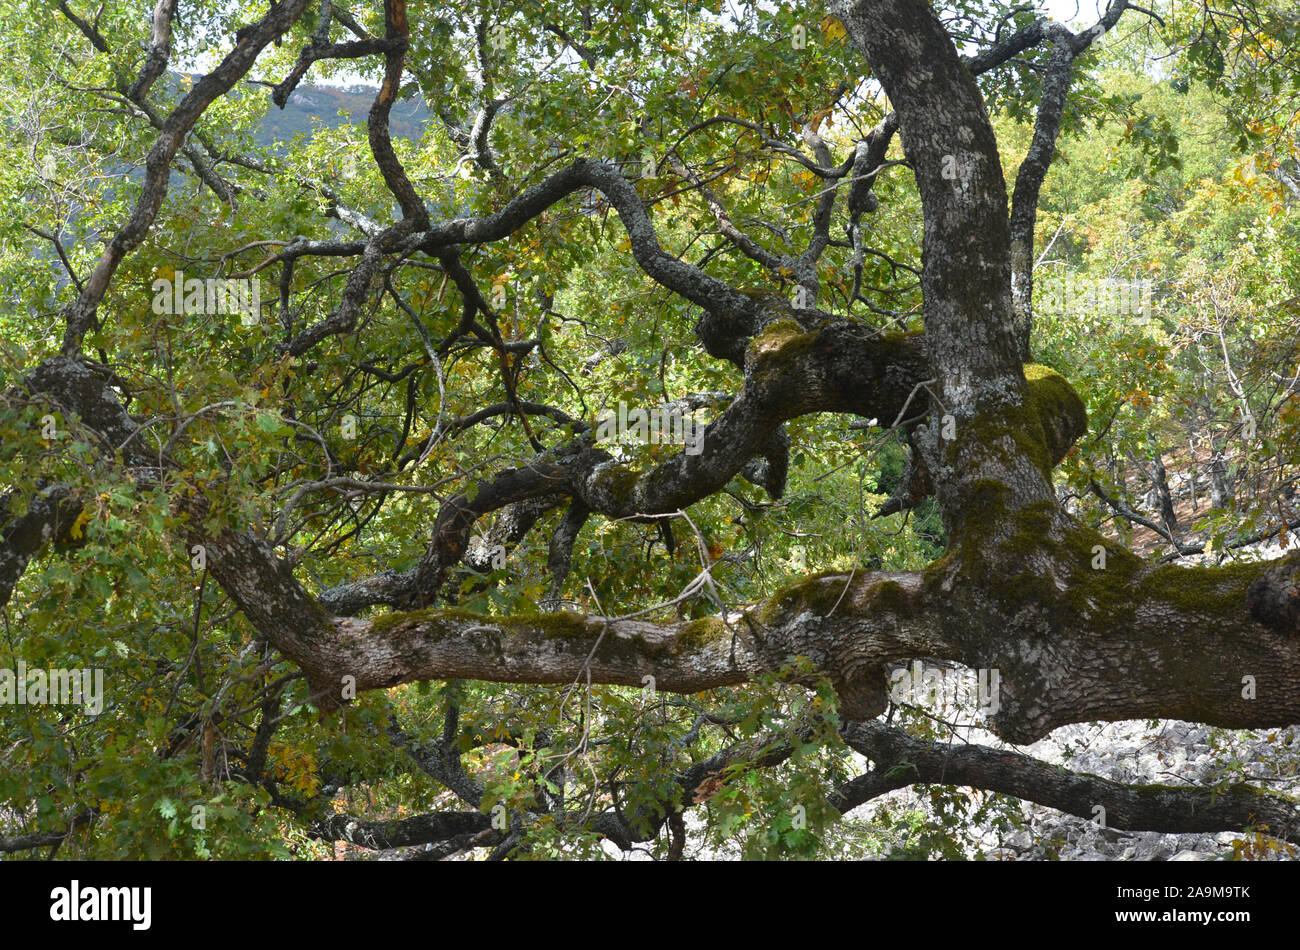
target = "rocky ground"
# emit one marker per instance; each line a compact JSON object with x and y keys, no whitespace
{"x":1167,"y":753}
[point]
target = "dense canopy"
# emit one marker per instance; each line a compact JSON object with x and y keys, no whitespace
{"x":572,"y":450}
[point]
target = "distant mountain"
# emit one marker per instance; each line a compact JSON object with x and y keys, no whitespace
{"x":314,"y":106}
{"x":311,"y":107}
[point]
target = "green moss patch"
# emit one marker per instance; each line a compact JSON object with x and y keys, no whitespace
{"x":1060,"y":411}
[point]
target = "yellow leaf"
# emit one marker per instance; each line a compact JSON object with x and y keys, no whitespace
{"x":79,"y":526}
{"x":833,"y":28}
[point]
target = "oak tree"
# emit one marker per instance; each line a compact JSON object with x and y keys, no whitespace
{"x":306,"y":442}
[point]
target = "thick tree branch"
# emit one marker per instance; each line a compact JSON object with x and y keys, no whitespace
{"x":49,"y":518}
{"x":900,"y":760}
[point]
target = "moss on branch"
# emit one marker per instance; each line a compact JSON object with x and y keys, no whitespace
{"x":1060,"y":411}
